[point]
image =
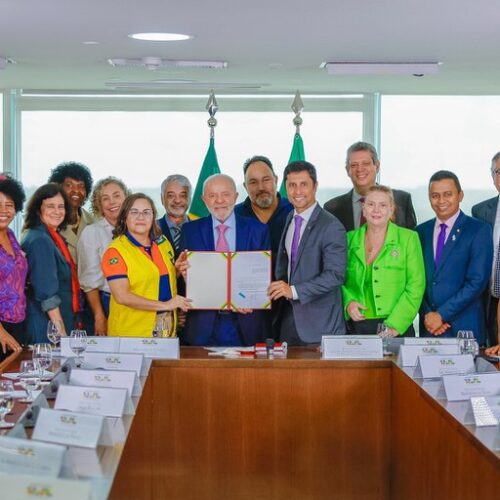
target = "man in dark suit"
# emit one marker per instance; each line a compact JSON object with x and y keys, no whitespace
{"x":175,"y":197}
{"x":223,"y":228}
{"x":362,"y":166}
{"x":488,"y":212}
{"x":311,"y":263}
{"x":457,"y":252}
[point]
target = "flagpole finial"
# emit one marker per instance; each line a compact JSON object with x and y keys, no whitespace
{"x":212,"y":108}
{"x":297,"y":108}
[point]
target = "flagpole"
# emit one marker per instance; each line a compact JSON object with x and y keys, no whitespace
{"x":297,"y":108}
{"x":212,"y":108}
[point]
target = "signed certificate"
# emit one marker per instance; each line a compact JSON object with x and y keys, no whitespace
{"x":229,"y":280}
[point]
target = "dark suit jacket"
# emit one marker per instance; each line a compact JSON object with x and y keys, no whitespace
{"x":318,"y":276}
{"x":455,"y":286}
{"x":341,"y":207}
{"x":486,"y":210}
{"x":166,"y":232}
{"x":198,"y":235}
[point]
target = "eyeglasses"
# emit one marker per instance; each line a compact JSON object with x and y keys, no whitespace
{"x":496,"y":172}
{"x":147,"y":214}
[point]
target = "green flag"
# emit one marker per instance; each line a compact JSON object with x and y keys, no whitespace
{"x":210,"y":167}
{"x":296,"y":154}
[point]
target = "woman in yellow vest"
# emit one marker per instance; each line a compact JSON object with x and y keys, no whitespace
{"x":140,"y":269}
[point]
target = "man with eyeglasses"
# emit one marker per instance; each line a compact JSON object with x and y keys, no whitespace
{"x":488,"y":211}
{"x":362,"y":166}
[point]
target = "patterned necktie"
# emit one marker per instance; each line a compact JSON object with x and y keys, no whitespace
{"x":295,"y":242}
{"x":222,"y":245}
{"x":175,"y":231}
{"x":440,"y":243}
{"x":362,"y":218}
{"x":496,"y":276}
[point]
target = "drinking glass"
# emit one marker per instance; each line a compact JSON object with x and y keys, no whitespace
{"x":42,"y":353}
{"x":385,"y":336}
{"x":29,"y":379}
{"x":54,"y":332}
{"x":78,"y":344}
{"x":6,"y":402}
{"x":466,"y":342}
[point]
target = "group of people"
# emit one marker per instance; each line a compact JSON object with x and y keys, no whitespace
{"x":359,"y":262}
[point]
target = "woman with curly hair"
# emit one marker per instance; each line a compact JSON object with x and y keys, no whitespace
{"x":13,"y":268}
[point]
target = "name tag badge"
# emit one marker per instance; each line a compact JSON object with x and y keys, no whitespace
{"x":351,"y":347}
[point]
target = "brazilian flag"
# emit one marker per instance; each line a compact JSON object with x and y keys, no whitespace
{"x":296,"y":155}
{"x":210,"y":167}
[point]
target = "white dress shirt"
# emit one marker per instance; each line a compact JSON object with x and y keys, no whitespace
{"x":93,"y":241}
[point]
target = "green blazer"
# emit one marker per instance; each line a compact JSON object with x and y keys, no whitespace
{"x":398,"y":279}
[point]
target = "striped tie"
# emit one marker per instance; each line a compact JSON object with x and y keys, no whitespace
{"x":175,"y":231}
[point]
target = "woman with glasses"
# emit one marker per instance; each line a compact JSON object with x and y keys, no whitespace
{"x":106,"y":203}
{"x":13,"y":268}
{"x":140,"y":268}
{"x":53,"y":288}
{"x":385,"y":276}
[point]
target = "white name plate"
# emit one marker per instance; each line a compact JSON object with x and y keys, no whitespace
{"x":105,"y":401}
{"x":30,"y":487}
{"x":351,"y":347}
{"x":20,"y":456}
{"x":460,"y":387}
{"x":161,"y":348}
{"x":107,"y":378}
{"x":110,"y":361}
{"x":430,"y":341}
{"x":442,"y":364}
{"x":94,"y":344}
{"x":71,"y":429}
{"x":486,"y":411}
{"x":408,"y":354}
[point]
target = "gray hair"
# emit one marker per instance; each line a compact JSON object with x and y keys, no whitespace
{"x":494,"y":163}
{"x":213,"y":177}
{"x":180,"y":179}
{"x":361,"y":146}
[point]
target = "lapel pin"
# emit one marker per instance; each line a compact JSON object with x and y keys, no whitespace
{"x":453,"y":237}
{"x":395,"y":254}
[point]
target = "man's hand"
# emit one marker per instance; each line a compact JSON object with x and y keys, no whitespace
{"x":182,"y":264}
{"x":278,"y":289}
{"x":435,"y":324}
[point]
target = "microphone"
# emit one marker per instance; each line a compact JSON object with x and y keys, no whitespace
{"x":270,"y":348}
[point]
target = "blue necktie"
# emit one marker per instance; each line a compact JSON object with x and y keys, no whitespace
{"x":440,"y":243}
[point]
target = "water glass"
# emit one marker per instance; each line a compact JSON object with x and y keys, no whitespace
{"x":466,"y":342}
{"x":54,"y":331}
{"x":42,"y":355}
{"x":29,"y":379}
{"x":78,"y":344}
{"x":382,"y":332}
{"x":6,"y":402}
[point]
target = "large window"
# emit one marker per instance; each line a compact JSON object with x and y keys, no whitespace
{"x":143,"y":148}
{"x":423,"y":134}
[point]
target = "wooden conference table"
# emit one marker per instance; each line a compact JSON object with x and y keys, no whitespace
{"x":297,"y":428}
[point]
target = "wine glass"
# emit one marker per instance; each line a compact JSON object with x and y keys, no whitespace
{"x":54,"y":331}
{"x":29,"y":379}
{"x":6,"y":402}
{"x":42,"y":353}
{"x":466,"y":342}
{"x":78,"y":344}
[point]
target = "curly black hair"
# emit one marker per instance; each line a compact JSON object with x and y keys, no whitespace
{"x":32,"y":218}
{"x":75,"y":170}
{"x":13,"y":189}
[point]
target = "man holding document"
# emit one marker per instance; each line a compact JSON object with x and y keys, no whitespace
{"x":229,"y":323}
{"x":310,"y":265}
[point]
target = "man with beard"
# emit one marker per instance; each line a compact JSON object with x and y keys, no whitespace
{"x":175,"y":197}
{"x":263,"y":202}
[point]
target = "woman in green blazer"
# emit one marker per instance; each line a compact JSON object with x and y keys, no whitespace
{"x":385,"y":277}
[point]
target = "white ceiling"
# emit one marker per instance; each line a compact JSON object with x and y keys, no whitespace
{"x":275,"y":46}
